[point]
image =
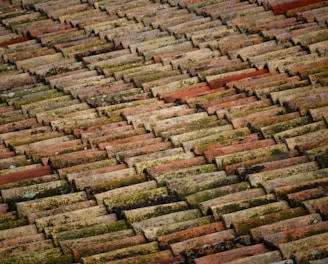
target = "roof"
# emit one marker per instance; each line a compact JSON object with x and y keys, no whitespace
{"x":163,"y":131}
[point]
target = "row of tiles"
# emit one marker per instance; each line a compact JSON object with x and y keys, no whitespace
{"x":152,"y":173}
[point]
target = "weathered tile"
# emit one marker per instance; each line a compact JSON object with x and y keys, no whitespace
{"x":311,"y":191}
{"x":311,"y":136}
{"x":296,"y":233}
{"x":256,"y":177}
{"x":269,"y":257}
{"x":180,"y":236}
{"x":59,"y":231}
{"x":287,"y":249}
{"x":243,"y":227}
{"x":190,"y":184}
{"x":23,"y":208}
{"x":29,"y":247}
{"x":25,"y":172}
{"x":232,"y":206}
{"x":149,"y":185}
{"x":298,"y":178}
{"x":233,"y":254}
{"x":68,"y":245}
{"x":228,"y":185}
{"x":229,"y":218}
{"x":259,"y":60}
{"x":108,"y":180}
{"x":96,"y":248}
{"x":299,"y":131}
{"x":229,"y":159}
{"x":179,"y":247}
{"x":156,"y":257}
{"x":53,"y":254}
{"x":22,"y":240}
{"x":35,"y":191}
{"x":284,"y":225}
{"x":253,"y":143}
{"x":153,"y":232}
{"x":143,"y":162}
{"x":18,"y":232}
{"x":141,"y":249}
{"x":33,"y":216}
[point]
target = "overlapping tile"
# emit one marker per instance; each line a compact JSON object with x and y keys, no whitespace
{"x":168,"y":131}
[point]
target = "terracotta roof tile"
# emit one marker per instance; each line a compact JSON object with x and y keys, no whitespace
{"x":233,"y":254}
{"x":270,"y":185}
{"x":24,"y":208}
{"x":257,"y":178}
{"x":91,"y":230}
{"x":229,"y":218}
{"x":22,"y":240}
{"x":25,"y":172}
{"x":316,"y":241}
{"x":280,"y":7}
{"x":243,"y":227}
{"x":284,"y":225}
{"x":107,"y":179}
{"x":179,"y":247}
{"x":141,"y":249}
{"x":33,"y":216}
{"x":33,"y":246}
{"x":105,"y":83}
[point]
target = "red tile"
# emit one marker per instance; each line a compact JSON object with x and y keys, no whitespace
{"x":75,"y":175}
{"x":233,"y":254}
{"x":295,"y":233}
{"x":276,"y":164}
{"x":241,"y":167}
{"x":14,"y":41}
{"x":308,"y":66}
{"x":7,"y":154}
{"x":296,"y":199}
{"x":19,"y":125}
{"x":279,"y":9}
{"x":40,"y":31}
{"x":221,"y":82}
{"x":26,"y":174}
{"x":231,"y":104}
{"x":78,"y":157}
{"x":284,"y":225}
{"x":166,"y":240}
{"x":132,"y":138}
{"x":181,"y":97}
{"x":172,"y":260}
{"x":242,"y":227}
{"x":224,"y":150}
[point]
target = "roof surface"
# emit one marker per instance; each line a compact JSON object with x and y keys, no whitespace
{"x":164,"y":131}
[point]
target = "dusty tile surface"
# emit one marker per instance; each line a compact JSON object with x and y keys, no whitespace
{"x":147,"y":131}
